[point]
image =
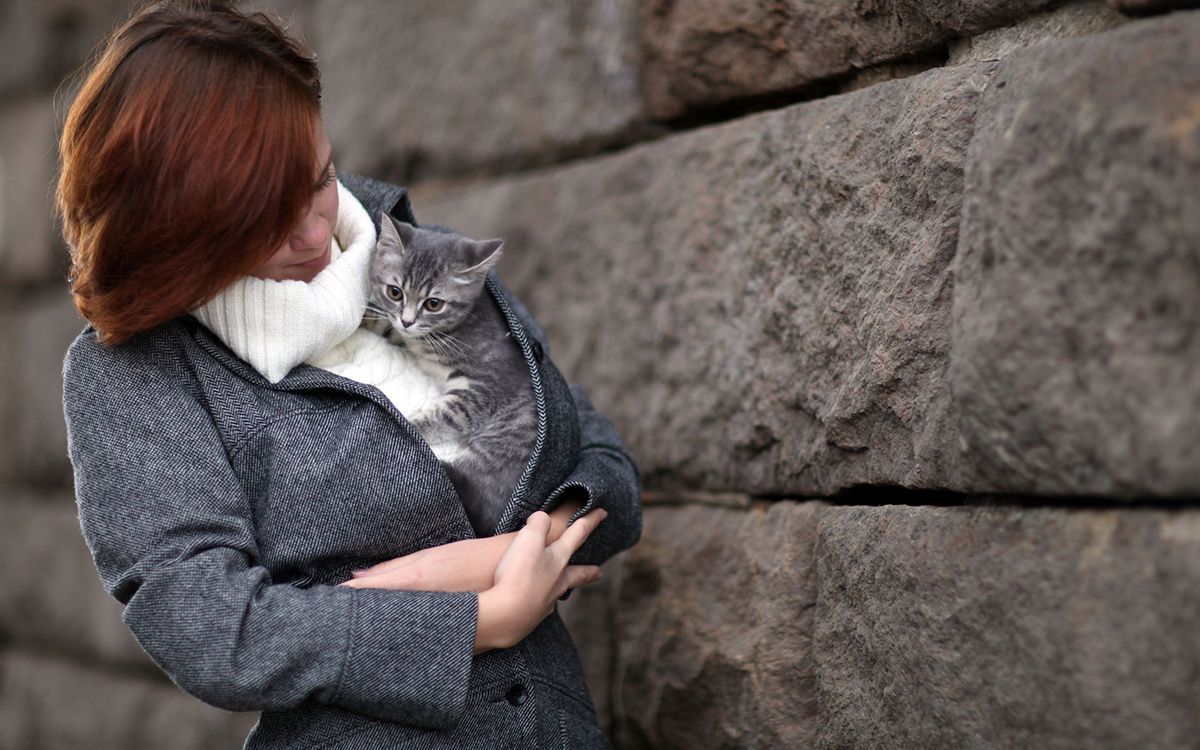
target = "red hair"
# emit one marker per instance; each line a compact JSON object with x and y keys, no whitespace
{"x":188,"y":157}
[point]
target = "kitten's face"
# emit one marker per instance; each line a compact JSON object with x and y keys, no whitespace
{"x":426,"y":281}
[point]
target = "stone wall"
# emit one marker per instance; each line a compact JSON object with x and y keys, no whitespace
{"x":896,"y":302}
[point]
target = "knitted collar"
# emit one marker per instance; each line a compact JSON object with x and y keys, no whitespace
{"x":276,"y":325}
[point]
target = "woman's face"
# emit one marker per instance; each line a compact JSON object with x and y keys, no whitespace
{"x":306,"y":251}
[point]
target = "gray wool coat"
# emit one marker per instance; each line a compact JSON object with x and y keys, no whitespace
{"x":222,"y":510}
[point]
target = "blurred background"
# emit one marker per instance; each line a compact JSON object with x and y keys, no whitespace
{"x":896,"y":302}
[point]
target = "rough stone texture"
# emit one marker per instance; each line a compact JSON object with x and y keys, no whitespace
{"x":714,"y":614}
{"x":1145,"y":7}
{"x":35,"y":332}
{"x":882,"y":72}
{"x":718,"y":499}
{"x":30,"y":250}
{"x":703,"y":52}
{"x":1077,"y":309}
{"x":1008,"y":628}
{"x":1070,"y":20}
{"x":50,"y":704}
{"x":451,"y":87}
{"x":50,"y":595}
{"x":762,"y":306}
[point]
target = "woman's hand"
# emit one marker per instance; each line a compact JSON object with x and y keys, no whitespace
{"x":466,"y":565}
{"x":529,"y":579}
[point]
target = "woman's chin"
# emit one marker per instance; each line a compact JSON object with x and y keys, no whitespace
{"x":305,"y":272}
{"x":308,"y":271}
{"x":308,"y":275}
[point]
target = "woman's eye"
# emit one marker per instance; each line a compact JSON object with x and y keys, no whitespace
{"x":433,"y":304}
{"x":327,"y":179}
{"x":394,"y":293}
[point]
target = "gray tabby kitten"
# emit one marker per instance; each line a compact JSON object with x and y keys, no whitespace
{"x":428,"y":286}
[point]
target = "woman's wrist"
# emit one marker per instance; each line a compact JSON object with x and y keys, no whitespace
{"x":490,"y":626}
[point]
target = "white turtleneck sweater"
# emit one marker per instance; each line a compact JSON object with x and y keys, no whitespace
{"x":276,"y":325}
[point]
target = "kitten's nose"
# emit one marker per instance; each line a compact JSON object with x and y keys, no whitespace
{"x":406,"y":323}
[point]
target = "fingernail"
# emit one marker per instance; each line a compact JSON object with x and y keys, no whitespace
{"x":357,"y":573}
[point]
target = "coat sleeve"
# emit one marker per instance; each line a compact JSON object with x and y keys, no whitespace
{"x":606,"y":475}
{"x":172,"y":535}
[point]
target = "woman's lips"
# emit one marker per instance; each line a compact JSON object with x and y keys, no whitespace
{"x":316,"y":262}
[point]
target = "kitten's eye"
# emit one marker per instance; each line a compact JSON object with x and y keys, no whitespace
{"x":433,"y":304}
{"x":394,"y":293}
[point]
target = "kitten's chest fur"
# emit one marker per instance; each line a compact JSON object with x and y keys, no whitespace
{"x":484,"y":424}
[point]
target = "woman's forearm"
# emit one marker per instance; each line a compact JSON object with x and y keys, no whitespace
{"x":466,"y":565}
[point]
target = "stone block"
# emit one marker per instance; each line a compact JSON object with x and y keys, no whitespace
{"x":1007,"y":627}
{"x":713,"y":611}
{"x":762,"y":306}
{"x":430,"y":88}
{"x":31,"y":250}
{"x":35,"y":331}
{"x":699,"y":53}
{"x":1071,"y":19}
{"x":50,"y":595}
{"x":1077,"y":304}
{"x":48,"y":703}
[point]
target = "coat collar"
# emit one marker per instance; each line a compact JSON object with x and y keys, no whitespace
{"x":308,"y":377}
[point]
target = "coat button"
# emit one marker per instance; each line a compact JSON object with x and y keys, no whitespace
{"x":538,"y":352}
{"x":517,"y":694}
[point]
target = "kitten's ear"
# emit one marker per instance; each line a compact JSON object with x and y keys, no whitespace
{"x":482,"y":255}
{"x":395,"y":231}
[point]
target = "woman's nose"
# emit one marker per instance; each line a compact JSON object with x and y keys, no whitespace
{"x":311,"y":233}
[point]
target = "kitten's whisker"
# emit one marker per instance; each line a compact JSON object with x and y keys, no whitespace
{"x":435,"y":345}
{"x":449,"y":348}
{"x":452,"y":344}
{"x":460,"y":348}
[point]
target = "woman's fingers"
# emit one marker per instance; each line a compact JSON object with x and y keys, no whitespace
{"x":578,"y":532}
{"x":532,"y":535}
{"x":529,"y":542}
{"x":375,"y":570}
{"x":575,"y":576}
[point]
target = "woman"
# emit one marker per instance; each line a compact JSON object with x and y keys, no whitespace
{"x":229,"y":489}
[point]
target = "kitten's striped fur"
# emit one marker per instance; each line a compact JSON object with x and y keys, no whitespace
{"x":484,"y":425}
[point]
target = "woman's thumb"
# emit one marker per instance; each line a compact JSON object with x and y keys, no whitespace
{"x":538,"y":520}
{"x":537,"y":525}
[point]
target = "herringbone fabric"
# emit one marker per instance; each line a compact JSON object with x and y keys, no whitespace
{"x":221,"y":508}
